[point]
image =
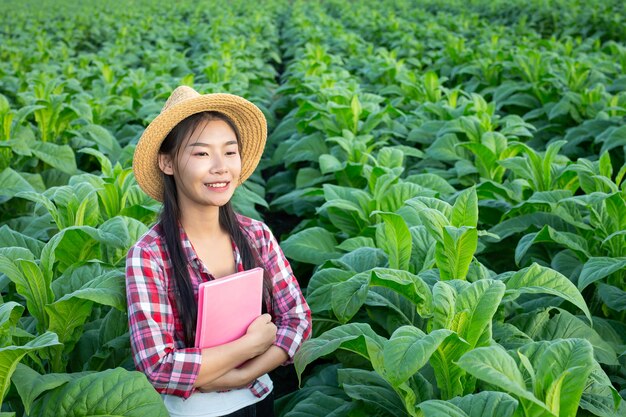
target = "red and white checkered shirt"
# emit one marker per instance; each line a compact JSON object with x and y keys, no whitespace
{"x":156,"y":332}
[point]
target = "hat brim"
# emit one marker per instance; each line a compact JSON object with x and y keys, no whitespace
{"x":247,"y":117}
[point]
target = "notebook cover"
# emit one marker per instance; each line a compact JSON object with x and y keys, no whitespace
{"x":227,"y":306}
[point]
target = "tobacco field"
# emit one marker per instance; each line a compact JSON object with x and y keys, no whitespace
{"x":446,"y":177}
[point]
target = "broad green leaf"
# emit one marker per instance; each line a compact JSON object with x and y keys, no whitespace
{"x":329,"y":163}
{"x":422,"y":249}
{"x":597,"y":268}
{"x":521,"y":223}
{"x":408,"y":350}
{"x":465,"y":209}
{"x":10,"y":356}
{"x":487,"y":404}
{"x":13,"y":184}
{"x":319,"y":290}
{"x":357,"y":242}
{"x":450,"y":378}
{"x":571,"y":241}
{"x":564,"y":325}
{"x":537,"y":279}
{"x":406,"y":284}
{"x":369,"y":387}
{"x":353,"y":337}
{"x":562,"y":372}
{"x":111,"y":392}
{"x":320,"y":404}
{"x":31,"y":284}
{"x":455,"y":254}
{"x":494,"y":365}
{"x":60,"y":157}
{"x":434,"y":221}
{"x":361,"y":259}
{"x":395,"y":239}
{"x":314,"y":245}
{"x":480,"y":300}
{"x":439,"y":408}
{"x":397,"y":194}
{"x":431,"y":181}
{"x":9,"y":238}
{"x":613,"y":297}
{"x":10,"y":313}
{"x":31,"y":384}
{"x":348,"y":296}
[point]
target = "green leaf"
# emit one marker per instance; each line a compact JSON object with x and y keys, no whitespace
{"x":9,"y":238}
{"x":494,"y":365}
{"x":562,"y":372}
{"x":406,"y":284}
{"x":465,"y":209}
{"x":320,"y":404}
{"x":10,"y":313}
{"x":396,"y":195}
{"x":571,"y":241}
{"x":487,"y":404}
{"x":597,"y":268}
{"x":60,"y":157}
{"x":455,"y":254}
{"x":369,"y":387}
{"x":314,"y":245}
{"x":480,"y":301}
{"x":111,"y":392}
{"x":329,"y":163}
{"x":613,"y":297}
{"x":353,"y":337}
{"x":537,"y":279}
{"x":356,"y":242}
{"x":31,"y":284}
{"x":10,"y":356}
{"x":31,"y":384}
{"x":319,"y":290}
{"x":408,"y":350}
{"x":564,"y":325}
{"x":395,"y":239}
{"x":348,"y":296}
{"x":521,"y":223}
{"x":13,"y":184}
{"x":431,"y":181}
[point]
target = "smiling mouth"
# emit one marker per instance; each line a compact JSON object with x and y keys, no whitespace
{"x":217,"y":184}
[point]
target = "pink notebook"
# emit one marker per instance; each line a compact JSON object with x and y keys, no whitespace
{"x":227,"y":306}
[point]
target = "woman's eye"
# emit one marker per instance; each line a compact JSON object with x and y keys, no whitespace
{"x":231,"y":153}
{"x":201,"y":153}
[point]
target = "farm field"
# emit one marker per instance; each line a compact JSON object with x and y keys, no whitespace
{"x":445,"y":177}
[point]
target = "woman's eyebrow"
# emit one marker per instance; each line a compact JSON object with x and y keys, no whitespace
{"x":206,"y":145}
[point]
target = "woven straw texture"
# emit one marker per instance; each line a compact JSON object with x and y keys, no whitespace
{"x":182,"y":103}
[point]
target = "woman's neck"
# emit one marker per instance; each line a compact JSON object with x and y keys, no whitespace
{"x":202,"y":224}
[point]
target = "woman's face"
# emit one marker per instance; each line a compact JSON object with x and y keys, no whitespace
{"x":207,"y":167}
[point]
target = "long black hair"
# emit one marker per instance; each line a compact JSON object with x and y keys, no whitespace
{"x":186,"y":302}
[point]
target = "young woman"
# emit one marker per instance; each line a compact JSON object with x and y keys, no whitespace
{"x":191,"y":157}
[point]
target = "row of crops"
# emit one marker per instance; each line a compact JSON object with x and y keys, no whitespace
{"x":446,"y":177}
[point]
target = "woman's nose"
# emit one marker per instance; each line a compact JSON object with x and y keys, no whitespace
{"x":218,"y":164}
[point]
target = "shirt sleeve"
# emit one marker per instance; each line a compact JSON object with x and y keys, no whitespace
{"x":169,"y":369}
{"x":290,"y":310}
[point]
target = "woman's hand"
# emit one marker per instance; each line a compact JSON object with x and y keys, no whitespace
{"x":261,"y":334}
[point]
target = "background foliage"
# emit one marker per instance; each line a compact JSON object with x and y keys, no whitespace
{"x":447,"y":178}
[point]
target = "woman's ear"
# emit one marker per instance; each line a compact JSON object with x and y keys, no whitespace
{"x":166,"y":164}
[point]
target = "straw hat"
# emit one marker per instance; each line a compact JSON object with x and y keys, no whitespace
{"x":182,"y":103}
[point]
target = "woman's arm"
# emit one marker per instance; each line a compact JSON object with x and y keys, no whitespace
{"x":221,"y":360}
{"x":251,"y":370}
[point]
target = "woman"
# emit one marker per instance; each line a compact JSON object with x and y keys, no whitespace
{"x":191,"y":157}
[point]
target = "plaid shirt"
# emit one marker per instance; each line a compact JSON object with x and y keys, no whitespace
{"x":155,"y":328}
